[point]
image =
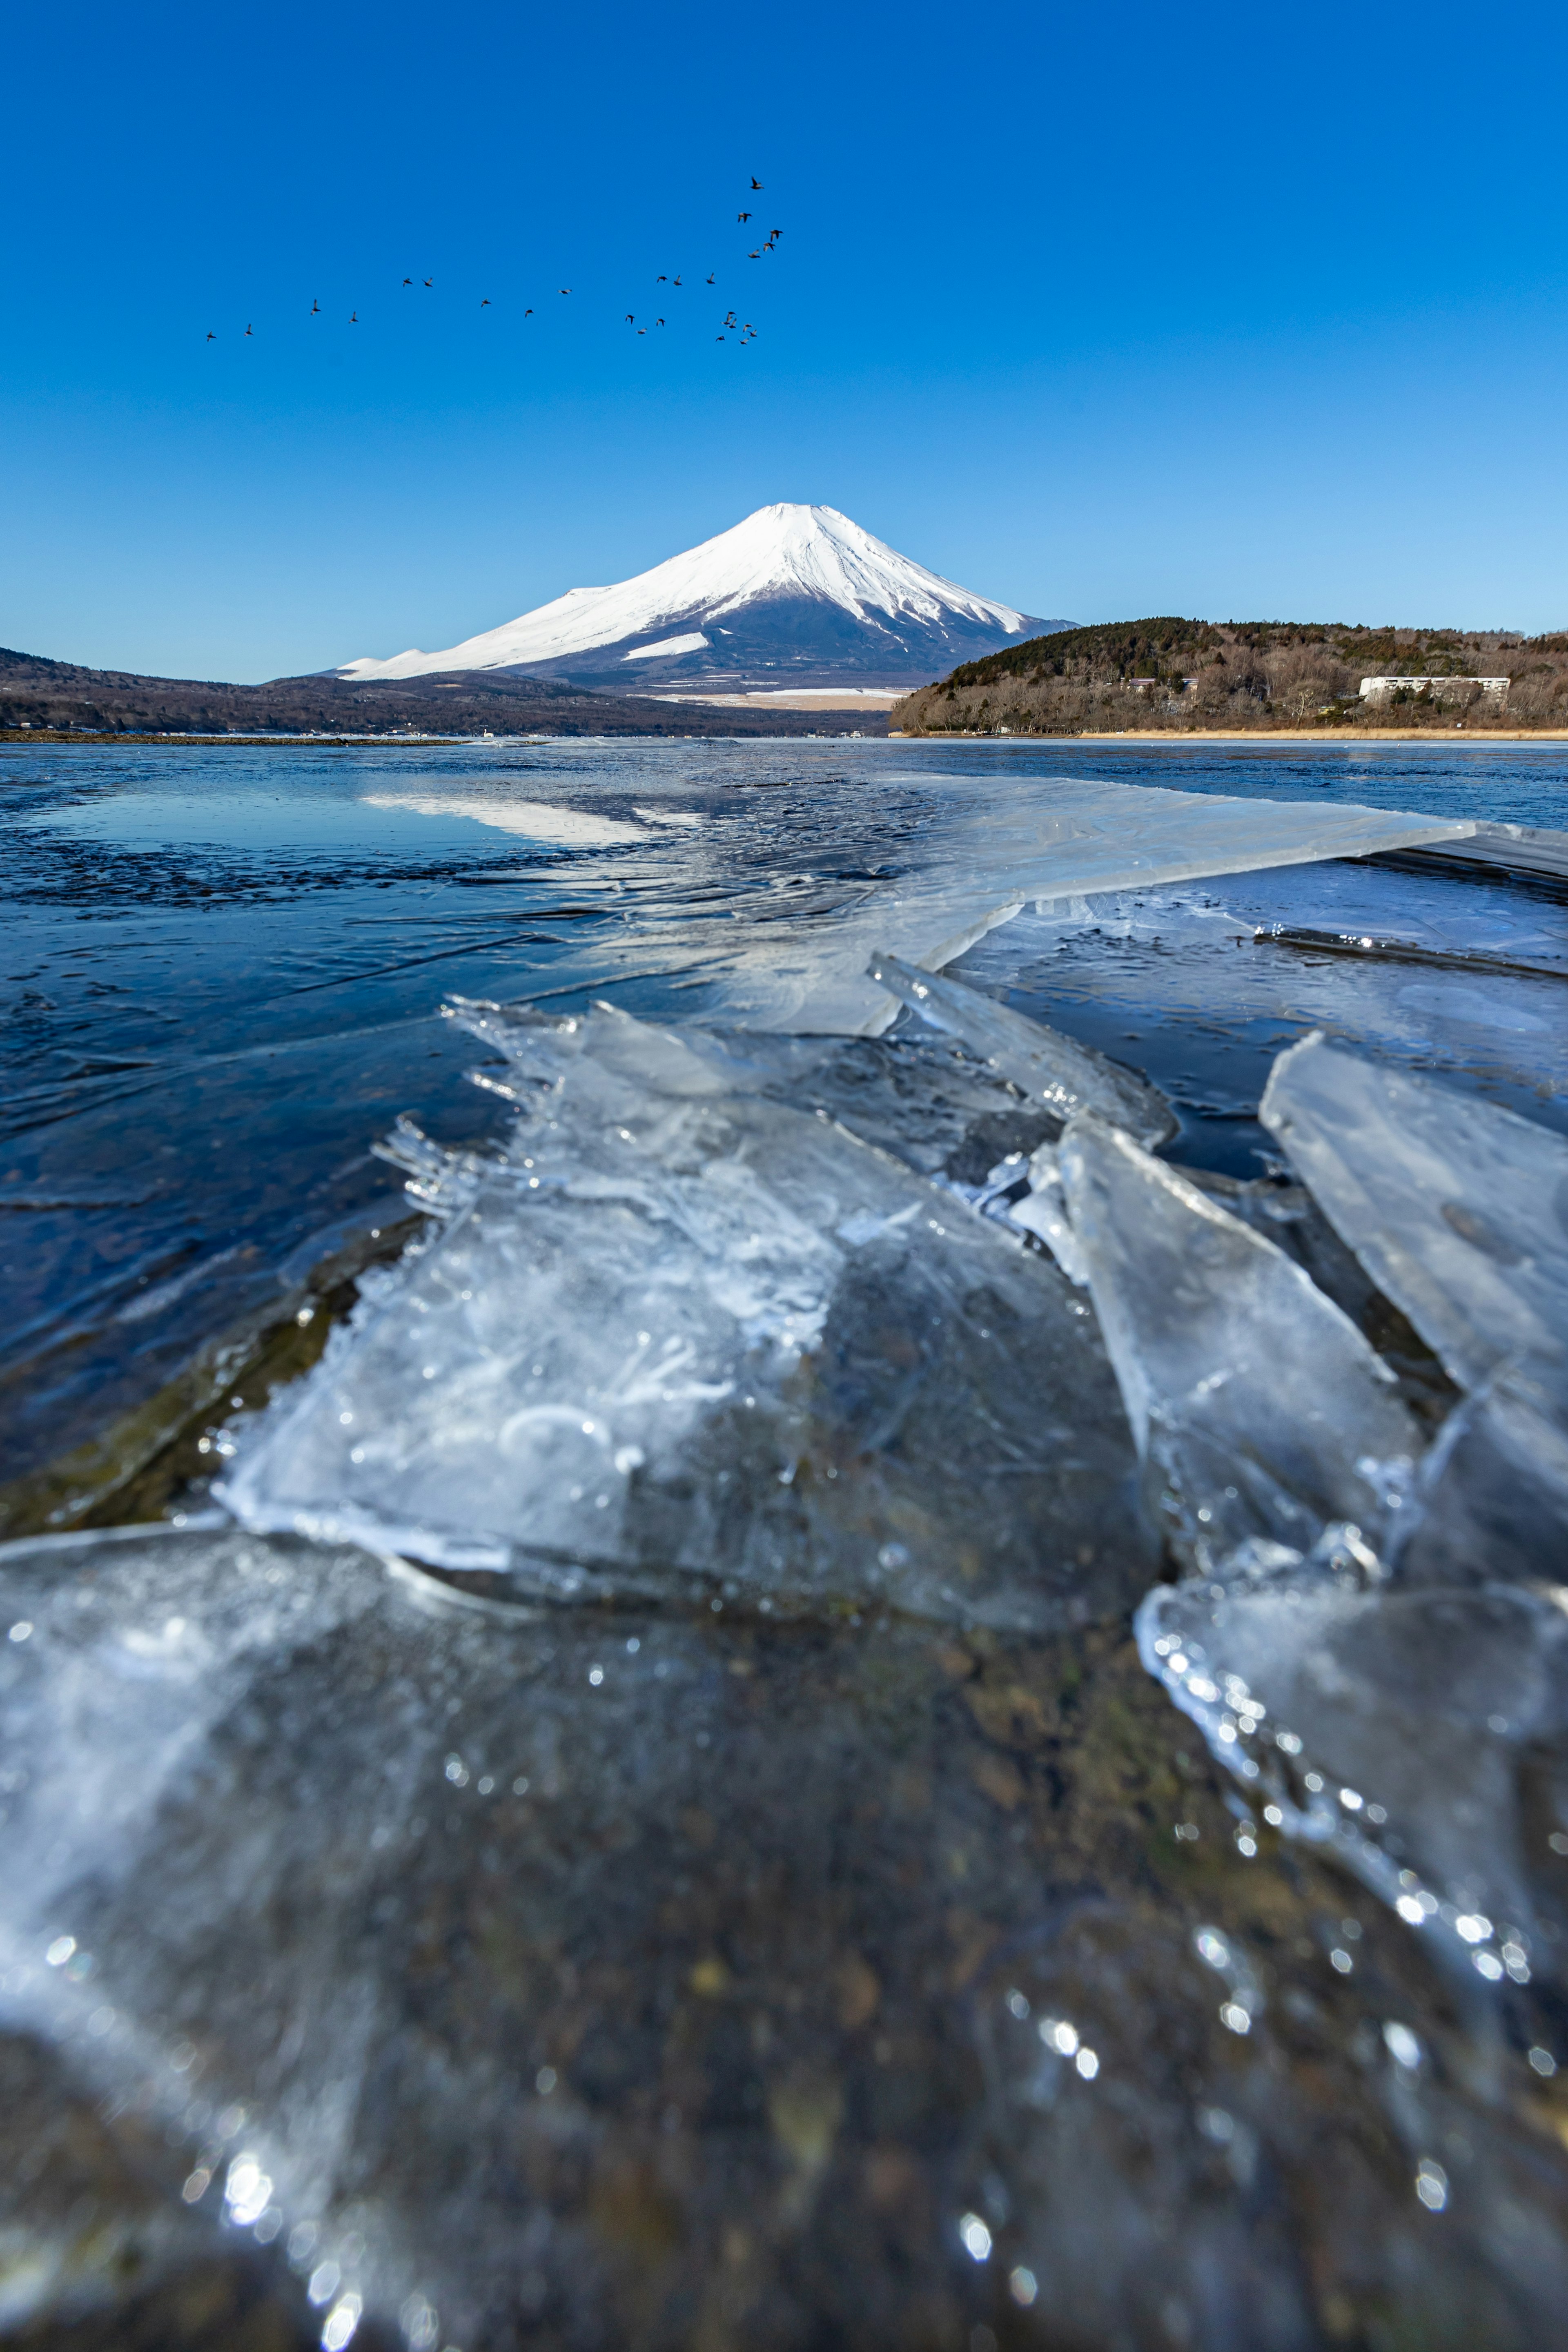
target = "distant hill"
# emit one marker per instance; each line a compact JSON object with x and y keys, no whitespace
{"x":1175,"y":673}
{"x":41,"y":696}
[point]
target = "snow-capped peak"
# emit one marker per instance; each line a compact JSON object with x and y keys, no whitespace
{"x":781,"y":553}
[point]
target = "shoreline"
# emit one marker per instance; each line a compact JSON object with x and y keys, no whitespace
{"x":1240,"y":735}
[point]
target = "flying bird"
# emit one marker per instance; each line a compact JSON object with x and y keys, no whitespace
{"x":314,"y":308}
{"x":211,"y":336}
{"x":247,"y":330}
{"x":742,"y":217}
{"x":754,"y":256}
{"x":757,"y":184}
{"x":661,"y":279}
{"x":486,"y":303}
{"x":408,"y":281}
{"x":710,"y":279}
{"x":776,"y":232}
{"x":566,"y":290}
{"x":677,"y":281}
{"x":353,"y":318}
{"x":631,"y":319}
{"x":429,"y":281}
{"x":527,"y":313}
{"x":658,"y":323}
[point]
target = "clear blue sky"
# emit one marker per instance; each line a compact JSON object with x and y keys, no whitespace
{"x":1107,"y":312}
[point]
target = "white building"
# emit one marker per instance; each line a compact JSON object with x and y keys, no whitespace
{"x":1379,"y":689}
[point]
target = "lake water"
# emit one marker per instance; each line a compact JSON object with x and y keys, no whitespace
{"x":223,"y":969}
{"x":589,"y":1835}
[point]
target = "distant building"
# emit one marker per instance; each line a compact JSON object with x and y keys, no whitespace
{"x":1379,"y":689}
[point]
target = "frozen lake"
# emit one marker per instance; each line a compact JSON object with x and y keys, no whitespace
{"x":899,"y":1679}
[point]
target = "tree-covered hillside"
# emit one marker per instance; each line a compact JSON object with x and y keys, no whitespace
{"x":1175,"y":674}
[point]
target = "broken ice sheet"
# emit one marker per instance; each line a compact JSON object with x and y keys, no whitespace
{"x":1422,"y":1733}
{"x":505,"y":1972}
{"x":1457,"y":1209}
{"x":682,"y":1335}
{"x":1047,"y":1067}
{"x":1259,"y":1406}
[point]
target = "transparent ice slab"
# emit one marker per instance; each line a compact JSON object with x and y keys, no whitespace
{"x":1047,"y":1067}
{"x":680,"y":1333}
{"x":501,"y":1973}
{"x":1420,"y":1732}
{"x":1257,"y":1404}
{"x":1038,"y":842}
{"x":1457,"y":1209}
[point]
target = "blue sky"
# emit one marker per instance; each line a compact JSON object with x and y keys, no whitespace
{"x":1103,"y":311}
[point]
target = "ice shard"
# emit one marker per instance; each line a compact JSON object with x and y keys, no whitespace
{"x":1256,"y":1401}
{"x":1457,"y":1209}
{"x":681,"y":1335}
{"x":1422,"y":1733}
{"x":1047,"y":1067}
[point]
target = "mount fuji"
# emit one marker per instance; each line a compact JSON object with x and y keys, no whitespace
{"x":795,"y":597}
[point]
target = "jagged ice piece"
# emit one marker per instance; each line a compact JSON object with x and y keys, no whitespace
{"x":1257,"y":1401}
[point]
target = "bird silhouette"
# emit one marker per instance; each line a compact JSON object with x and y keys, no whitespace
{"x":718,"y":339}
{"x":661,"y":279}
{"x":247,"y":330}
{"x":775,"y":233}
{"x":486,"y":303}
{"x":658,"y":323}
{"x":566,"y":290}
{"x":710,"y":278}
{"x":408,"y":281}
{"x":527,"y":313}
{"x":631,"y":319}
{"x":314,"y":308}
{"x":353,"y":317}
{"x":676,"y":281}
{"x":757,"y":184}
{"x":742,"y":217}
{"x":211,"y":336}
{"x":754,"y":256}
{"x":429,"y":281}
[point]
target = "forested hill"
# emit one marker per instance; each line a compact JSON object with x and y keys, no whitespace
{"x":1175,"y":674}
{"x":62,"y":698}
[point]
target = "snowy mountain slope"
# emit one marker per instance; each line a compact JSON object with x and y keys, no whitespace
{"x":796,"y":589}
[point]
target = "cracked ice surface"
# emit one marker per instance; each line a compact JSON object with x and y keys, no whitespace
{"x":681,"y":1331}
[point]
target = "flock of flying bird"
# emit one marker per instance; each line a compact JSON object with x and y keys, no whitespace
{"x":732,"y":326}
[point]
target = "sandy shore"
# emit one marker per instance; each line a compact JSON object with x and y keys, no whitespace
{"x":1263,"y":737}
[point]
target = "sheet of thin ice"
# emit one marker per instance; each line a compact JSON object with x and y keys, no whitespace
{"x":1044,"y":840}
{"x":683,"y":1331}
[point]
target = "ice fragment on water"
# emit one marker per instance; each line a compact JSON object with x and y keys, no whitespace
{"x":1251,"y":1396}
{"x":1457,"y":1209}
{"x":1049,"y":1068}
{"x":706,"y":1336}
